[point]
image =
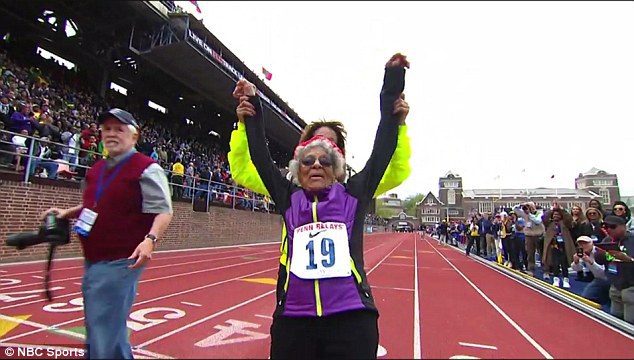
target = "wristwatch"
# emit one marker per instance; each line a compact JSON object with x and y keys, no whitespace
{"x":152,"y":237}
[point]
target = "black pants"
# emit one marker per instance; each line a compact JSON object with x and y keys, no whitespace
{"x":514,"y":252}
{"x":472,"y":240}
{"x":350,"y":335}
{"x":558,"y":261}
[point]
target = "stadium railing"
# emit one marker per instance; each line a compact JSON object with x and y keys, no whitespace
{"x":73,"y":168}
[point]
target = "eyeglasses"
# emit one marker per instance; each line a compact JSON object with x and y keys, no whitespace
{"x":620,"y":208}
{"x":592,"y":213}
{"x":324,"y":160}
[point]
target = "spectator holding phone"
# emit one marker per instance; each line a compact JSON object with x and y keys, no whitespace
{"x":599,"y":287}
{"x":617,"y":256}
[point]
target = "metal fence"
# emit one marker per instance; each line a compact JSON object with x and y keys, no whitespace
{"x":23,"y":153}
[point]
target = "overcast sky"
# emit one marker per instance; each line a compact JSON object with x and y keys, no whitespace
{"x":494,"y":87}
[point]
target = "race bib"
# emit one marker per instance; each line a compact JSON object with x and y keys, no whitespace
{"x":85,"y":222}
{"x":321,"y":251}
{"x":560,"y":239}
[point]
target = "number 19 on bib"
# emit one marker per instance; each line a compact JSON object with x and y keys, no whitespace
{"x":321,"y":254}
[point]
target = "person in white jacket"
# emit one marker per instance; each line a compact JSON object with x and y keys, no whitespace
{"x":599,"y":288}
{"x":533,"y":230}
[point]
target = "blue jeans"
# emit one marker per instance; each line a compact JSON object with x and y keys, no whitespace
{"x":50,"y":166}
{"x":109,"y":289}
{"x":598,"y":290}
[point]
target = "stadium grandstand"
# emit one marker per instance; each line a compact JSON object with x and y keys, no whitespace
{"x":151,"y":58}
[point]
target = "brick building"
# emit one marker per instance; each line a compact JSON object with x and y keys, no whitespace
{"x":601,"y":183}
{"x":456,"y":203}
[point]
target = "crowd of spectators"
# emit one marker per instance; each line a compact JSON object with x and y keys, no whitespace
{"x":563,"y":247}
{"x":46,"y":101}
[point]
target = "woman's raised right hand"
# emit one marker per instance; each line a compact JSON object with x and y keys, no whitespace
{"x":245,"y":109}
{"x":398,"y":60}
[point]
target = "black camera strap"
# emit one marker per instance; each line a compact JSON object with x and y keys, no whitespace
{"x":49,"y":265}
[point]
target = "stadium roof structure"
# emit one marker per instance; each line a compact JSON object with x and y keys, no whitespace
{"x":522,"y":193}
{"x":178,"y":62}
{"x":186,"y":50}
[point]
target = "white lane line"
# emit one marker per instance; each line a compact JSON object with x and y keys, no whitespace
{"x":149,"y":268}
{"x":149,"y":280}
{"x":390,"y":288}
{"x":264,"y":316}
{"x":3,"y":271}
{"x":190,"y":304}
{"x":77,"y":284}
{"x":490,"y":347}
{"x":234,"y":307}
{"x":385,"y":257}
{"x":37,"y":277}
{"x":200,"y":321}
{"x":497,"y":308}
{"x":136,"y":304}
{"x":417,"y":349}
{"x":499,"y":271}
{"x":165,"y":296}
{"x":155,"y":252}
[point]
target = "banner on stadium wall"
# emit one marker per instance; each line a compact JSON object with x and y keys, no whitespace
{"x":218,"y":58}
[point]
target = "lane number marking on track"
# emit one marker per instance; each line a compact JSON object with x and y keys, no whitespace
{"x":78,"y":303}
{"x":9,"y":282}
{"x":235,"y":327}
{"x":138,"y":319}
{"x":7,"y":297}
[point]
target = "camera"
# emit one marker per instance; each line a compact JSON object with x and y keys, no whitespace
{"x":579,"y":252}
{"x":525,"y":208}
{"x":53,"y":231}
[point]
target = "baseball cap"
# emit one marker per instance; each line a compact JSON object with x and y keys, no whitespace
{"x":614,"y":220}
{"x":121,"y":115}
{"x":584,"y":238}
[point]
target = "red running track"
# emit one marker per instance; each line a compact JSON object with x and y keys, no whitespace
{"x":216,"y":303}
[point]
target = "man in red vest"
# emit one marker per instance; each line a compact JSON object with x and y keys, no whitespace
{"x":126,"y":208}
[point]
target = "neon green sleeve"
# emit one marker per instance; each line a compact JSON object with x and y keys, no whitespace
{"x":398,"y":169}
{"x":242,"y":169}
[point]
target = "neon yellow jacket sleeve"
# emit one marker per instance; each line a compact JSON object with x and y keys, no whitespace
{"x":244,"y":173}
{"x":242,"y":169}
{"x":398,"y":170}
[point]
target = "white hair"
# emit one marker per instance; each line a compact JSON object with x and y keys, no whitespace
{"x":132,"y":129}
{"x":338,"y":164}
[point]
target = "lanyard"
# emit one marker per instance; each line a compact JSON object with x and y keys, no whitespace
{"x":101,"y":187}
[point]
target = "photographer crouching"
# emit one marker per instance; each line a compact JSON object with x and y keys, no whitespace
{"x":126,"y":207}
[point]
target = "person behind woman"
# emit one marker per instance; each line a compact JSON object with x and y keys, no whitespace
{"x":559,"y":246}
{"x":245,"y":174}
{"x":594,"y":203}
{"x":325,"y":308}
{"x":591,"y":227}
{"x":621,"y":210}
{"x":577,"y":219}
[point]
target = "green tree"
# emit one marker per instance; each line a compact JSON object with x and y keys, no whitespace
{"x":410,"y":203}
